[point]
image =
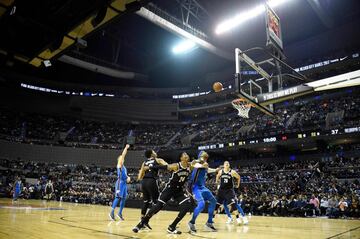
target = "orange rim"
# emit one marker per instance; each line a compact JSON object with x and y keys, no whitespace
{"x":242,"y":100}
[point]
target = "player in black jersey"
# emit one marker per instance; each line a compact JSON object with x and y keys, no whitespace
{"x":226,"y":194}
{"x":149,"y":174}
{"x":174,"y":189}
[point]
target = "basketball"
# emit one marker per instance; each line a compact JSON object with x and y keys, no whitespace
{"x":217,"y":86}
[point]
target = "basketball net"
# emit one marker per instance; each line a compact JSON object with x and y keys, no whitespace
{"x":242,"y":106}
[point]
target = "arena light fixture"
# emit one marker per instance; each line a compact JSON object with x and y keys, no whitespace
{"x":47,"y":63}
{"x":184,"y":47}
{"x":245,"y":16}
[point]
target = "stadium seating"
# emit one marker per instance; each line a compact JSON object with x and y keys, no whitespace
{"x":301,"y":115}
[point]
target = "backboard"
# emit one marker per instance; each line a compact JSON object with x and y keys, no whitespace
{"x":248,"y":87}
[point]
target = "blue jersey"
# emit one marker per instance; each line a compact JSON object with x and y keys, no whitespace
{"x":198,"y":177}
{"x":121,"y":185}
{"x":122,"y":173}
{"x":18,"y":186}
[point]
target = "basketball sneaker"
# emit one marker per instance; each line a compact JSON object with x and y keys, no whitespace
{"x":173,"y":230}
{"x":111,"y":216}
{"x":146,"y":224}
{"x":245,"y":221}
{"x":192,"y":227}
{"x":120,"y":217}
{"x":210,"y":226}
{"x":138,"y":227}
{"x":229,"y":220}
{"x":238,"y":220}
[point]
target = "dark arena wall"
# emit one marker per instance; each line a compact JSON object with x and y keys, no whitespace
{"x":66,"y":155}
{"x":92,"y":108}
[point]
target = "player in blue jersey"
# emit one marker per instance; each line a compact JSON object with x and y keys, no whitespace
{"x":201,"y":193}
{"x":17,"y":189}
{"x":120,"y":186}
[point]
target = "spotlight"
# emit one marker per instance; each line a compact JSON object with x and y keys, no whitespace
{"x":184,"y":47}
{"x":244,"y":16}
{"x":47,"y":63}
{"x":239,"y":19}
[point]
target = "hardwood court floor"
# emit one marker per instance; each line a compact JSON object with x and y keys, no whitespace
{"x":39,"y":219}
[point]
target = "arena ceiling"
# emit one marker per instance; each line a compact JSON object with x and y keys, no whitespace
{"x":134,"y":44}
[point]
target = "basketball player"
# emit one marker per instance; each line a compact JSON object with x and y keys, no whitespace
{"x":240,"y":213}
{"x":174,"y":188}
{"x":49,"y":189}
{"x":148,"y":174}
{"x":120,"y":186}
{"x":201,"y":193}
{"x":17,"y":189}
{"x":226,"y":194}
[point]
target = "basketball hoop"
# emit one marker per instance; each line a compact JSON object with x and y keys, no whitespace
{"x":242,"y":106}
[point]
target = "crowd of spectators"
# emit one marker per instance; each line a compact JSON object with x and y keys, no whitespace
{"x":305,"y":188}
{"x":72,"y":183}
{"x":299,"y":116}
{"x":296,"y":116}
{"x":45,"y":129}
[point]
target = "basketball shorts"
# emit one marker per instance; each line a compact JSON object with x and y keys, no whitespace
{"x":173,"y":193}
{"x":16,"y":193}
{"x":226,"y":195}
{"x":150,"y":190}
{"x":202,"y":193}
{"x":121,"y":189}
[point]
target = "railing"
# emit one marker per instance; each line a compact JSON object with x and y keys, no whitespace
{"x":163,"y":14}
{"x":97,"y":61}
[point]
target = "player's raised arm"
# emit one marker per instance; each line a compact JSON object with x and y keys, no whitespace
{"x":141,"y":172}
{"x":213,"y":170}
{"x":198,"y":163}
{"x":121,"y":158}
{"x":173,"y":167}
{"x":169,"y":167}
{"x":218,"y":175}
{"x":192,"y":164}
{"x":161,"y":161}
{"x":237,"y":176}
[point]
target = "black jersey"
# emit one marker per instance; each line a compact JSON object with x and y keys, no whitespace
{"x":226,"y":180}
{"x":179,"y":177}
{"x":151,"y":173}
{"x":48,"y":188}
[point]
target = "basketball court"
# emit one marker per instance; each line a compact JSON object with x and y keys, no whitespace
{"x":41,"y":219}
{"x":261,"y":79}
